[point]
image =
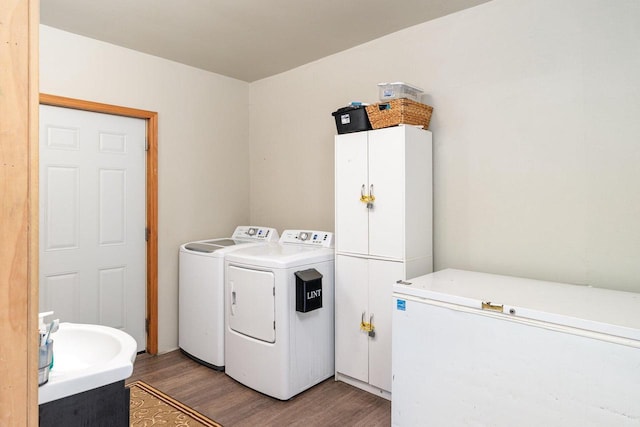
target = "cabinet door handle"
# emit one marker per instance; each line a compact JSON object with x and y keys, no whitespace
{"x":372,"y":329}
{"x":363,"y":197}
{"x":367,"y":326}
{"x":364,"y":326}
{"x":370,"y":198}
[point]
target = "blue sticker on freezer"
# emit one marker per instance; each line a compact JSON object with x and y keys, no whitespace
{"x":401,"y":305}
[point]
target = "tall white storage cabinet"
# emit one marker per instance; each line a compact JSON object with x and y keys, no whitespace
{"x":383,"y":234}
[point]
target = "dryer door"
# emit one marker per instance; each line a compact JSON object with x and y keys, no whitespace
{"x":252,"y":302}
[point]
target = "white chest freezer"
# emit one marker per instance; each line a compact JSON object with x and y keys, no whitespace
{"x":475,"y":349}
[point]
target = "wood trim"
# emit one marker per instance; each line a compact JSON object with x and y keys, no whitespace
{"x":152,"y":243}
{"x":96,"y":107}
{"x":152,"y":195}
{"x":34,"y":211}
{"x":18,"y":270}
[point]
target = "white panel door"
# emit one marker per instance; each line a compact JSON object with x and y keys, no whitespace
{"x":352,"y":225}
{"x":387,"y":183}
{"x":92,"y":219}
{"x":351,"y":306}
{"x":382,"y":276}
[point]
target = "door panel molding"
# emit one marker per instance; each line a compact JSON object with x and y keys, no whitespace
{"x":151,"y":118}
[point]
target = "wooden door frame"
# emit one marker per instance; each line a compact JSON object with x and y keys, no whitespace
{"x":19,"y":212}
{"x":151,"y":119}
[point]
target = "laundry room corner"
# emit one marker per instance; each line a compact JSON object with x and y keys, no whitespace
{"x":302,"y":213}
{"x":203,"y":172}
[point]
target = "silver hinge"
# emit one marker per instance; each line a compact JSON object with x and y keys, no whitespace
{"x":146,"y":325}
{"x":146,"y":144}
{"x":147,"y":234}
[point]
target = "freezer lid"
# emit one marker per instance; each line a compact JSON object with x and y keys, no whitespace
{"x":593,"y":309}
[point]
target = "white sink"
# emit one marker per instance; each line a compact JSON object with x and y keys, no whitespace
{"x":86,"y":357}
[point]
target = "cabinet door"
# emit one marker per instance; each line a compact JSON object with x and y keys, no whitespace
{"x":382,"y":276}
{"x":351,"y":177}
{"x":387,"y":182}
{"x":351,"y":284}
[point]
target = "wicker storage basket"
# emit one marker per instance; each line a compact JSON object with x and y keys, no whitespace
{"x":399,"y":111}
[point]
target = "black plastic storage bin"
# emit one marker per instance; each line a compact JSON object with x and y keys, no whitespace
{"x":351,"y":119}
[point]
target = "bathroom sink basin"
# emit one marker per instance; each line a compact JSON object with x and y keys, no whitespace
{"x":86,"y":357}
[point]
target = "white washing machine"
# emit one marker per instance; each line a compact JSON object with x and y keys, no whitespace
{"x":201,"y":292}
{"x":279,"y":331}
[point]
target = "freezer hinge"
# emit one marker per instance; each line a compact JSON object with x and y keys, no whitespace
{"x":146,"y":144}
{"x":274,"y":291}
{"x":274,"y":325}
{"x":147,"y":234}
{"x":493,"y":307}
{"x":146,"y":325}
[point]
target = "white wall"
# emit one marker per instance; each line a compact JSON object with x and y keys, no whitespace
{"x":536,"y":136}
{"x":203,"y":141}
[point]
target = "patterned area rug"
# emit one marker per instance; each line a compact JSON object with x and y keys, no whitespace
{"x":151,"y":407}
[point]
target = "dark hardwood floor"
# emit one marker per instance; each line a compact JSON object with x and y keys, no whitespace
{"x":228,"y":402}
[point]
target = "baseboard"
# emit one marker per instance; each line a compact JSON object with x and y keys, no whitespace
{"x":363,"y":386}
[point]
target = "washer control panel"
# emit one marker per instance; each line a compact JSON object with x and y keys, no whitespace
{"x":246,"y":232}
{"x":308,"y":237}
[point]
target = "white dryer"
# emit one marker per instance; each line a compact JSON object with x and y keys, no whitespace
{"x":201,"y":292}
{"x":279,"y":331}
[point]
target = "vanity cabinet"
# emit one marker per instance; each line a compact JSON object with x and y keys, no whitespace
{"x":107,"y":406}
{"x":383,"y":222}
